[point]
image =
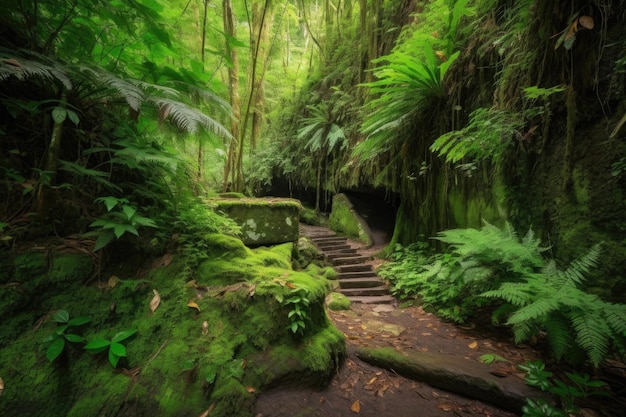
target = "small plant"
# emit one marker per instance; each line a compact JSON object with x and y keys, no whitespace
{"x":489,"y":358}
{"x":116,"y":349}
{"x":114,"y":224}
{"x":59,"y":338}
{"x":298,"y":301}
{"x":537,"y":376}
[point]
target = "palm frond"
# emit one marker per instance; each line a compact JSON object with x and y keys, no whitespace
{"x":188,"y":118}
{"x":15,"y":65}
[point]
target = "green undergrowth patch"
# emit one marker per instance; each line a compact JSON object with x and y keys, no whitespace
{"x":216,"y":338}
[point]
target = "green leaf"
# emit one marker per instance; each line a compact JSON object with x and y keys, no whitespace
{"x":61,"y":316}
{"x":118,"y":349}
{"x":129,"y":211}
{"x":110,"y":202}
{"x":73,"y":117}
{"x":74,"y":338}
{"x":113,"y":358}
{"x":59,"y":114}
{"x":97,"y":345}
{"x":123,"y":335}
{"x":55,"y":349}
{"x":78,"y":321}
{"x":103,"y":239}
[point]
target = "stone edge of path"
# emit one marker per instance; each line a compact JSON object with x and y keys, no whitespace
{"x":457,"y":375}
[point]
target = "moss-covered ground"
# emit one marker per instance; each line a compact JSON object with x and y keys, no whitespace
{"x":219,"y":336}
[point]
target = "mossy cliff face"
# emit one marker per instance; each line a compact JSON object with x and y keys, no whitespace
{"x":213,"y":342}
{"x":263,"y":221}
{"x":344,"y":219}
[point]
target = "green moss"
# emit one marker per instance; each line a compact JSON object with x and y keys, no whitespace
{"x":232,"y":195}
{"x":330,"y":273}
{"x":70,"y":267}
{"x":309,"y":216}
{"x":226,"y":247}
{"x":344,"y":219}
{"x":337,"y":301}
{"x":29,"y":265}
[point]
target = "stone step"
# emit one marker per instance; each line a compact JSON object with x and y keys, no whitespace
{"x":381,"y":299}
{"x":351,"y":260}
{"x":369,"y":291}
{"x":333,"y":247}
{"x":351,"y":275}
{"x":329,"y":239}
{"x":340,"y":253}
{"x":368,"y":282}
{"x":354,"y":268}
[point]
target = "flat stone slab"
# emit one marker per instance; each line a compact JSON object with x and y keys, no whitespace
{"x":458,"y":375}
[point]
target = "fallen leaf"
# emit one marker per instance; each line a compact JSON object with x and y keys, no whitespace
{"x":113,"y":281}
{"x":193,"y":304}
{"x":371,"y":381}
{"x":251,"y":390}
{"x":1,"y":386}
{"x":473,"y":345}
{"x":356,"y":406}
{"x":586,"y":22}
{"x":381,"y":391}
{"x":445,"y":407}
{"x":205,"y":327}
{"x":291,"y":285}
{"x":191,"y":284}
{"x":156,"y":300}
{"x":207,"y":411}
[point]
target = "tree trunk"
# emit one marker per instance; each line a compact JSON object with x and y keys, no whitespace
{"x":232,"y":157}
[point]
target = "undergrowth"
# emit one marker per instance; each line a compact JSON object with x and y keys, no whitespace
{"x":494,"y":269}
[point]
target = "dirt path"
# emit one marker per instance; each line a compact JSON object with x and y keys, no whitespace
{"x":361,"y":389}
{"x":365,"y":390}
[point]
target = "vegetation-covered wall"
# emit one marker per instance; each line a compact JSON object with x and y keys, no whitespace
{"x":482,"y":109}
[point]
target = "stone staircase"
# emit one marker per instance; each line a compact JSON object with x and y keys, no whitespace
{"x":357,"y":279}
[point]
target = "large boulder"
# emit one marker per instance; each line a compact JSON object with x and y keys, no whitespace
{"x":263,"y":221}
{"x":345,"y":219}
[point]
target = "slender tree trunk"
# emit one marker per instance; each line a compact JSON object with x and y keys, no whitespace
{"x":232,"y":158}
{"x":259,"y":48}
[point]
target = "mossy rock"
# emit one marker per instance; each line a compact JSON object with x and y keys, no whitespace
{"x":337,"y":301}
{"x":263,"y":221}
{"x":307,"y":253}
{"x":309,"y":216}
{"x":186,"y":368}
{"x":344,"y":219}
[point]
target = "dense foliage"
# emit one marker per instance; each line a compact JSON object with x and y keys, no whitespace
{"x":534,"y":296}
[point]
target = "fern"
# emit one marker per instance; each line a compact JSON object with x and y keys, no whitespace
{"x":488,"y":134}
{"x":23,"y":68}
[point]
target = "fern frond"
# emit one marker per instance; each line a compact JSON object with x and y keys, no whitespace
{"x":187,"y":118}
{"x":23,"y":68}
{"x":512,"y":292}
{"x":574,"y":275}
{"x":533,"y":311}
{"x":559,"y":333}
{"x":132,"y":94}
{"x":616,"y":317}
{"x":591,"y":335}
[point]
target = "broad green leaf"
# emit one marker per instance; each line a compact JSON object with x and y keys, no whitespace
{"x":110,"y":202}
{"x":118,"y":349}
{"x":55,"y":349}
{"x":103,"y":239}
{"x":78,"y":321}
{"x":123,"y":335}
{"x":61,"y":316}
{"x":97,"y":345}
{"x":59,"y":115}
{"x":73,"y":117}
{"x":129,"y":211}
{"x":74,"y":338}
{"x":113,"y":358}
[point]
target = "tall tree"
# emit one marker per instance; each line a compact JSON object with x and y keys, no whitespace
{"x":233,"y":156}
